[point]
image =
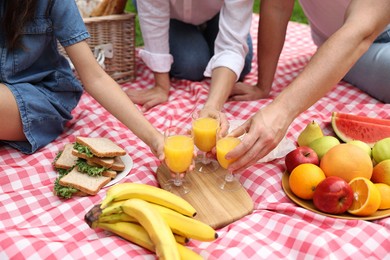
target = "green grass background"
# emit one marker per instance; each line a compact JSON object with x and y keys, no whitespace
{"x":297,"y":16}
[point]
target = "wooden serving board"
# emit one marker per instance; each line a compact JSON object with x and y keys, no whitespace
{"x":214,"y":206}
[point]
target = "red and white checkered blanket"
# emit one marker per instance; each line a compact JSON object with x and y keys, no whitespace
{"x":35,"y":224}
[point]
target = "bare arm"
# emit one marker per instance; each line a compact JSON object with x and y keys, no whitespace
{"x":222,"y":81}
{"x":154,"y":23}
{"x":110,"y":95}
{"x":364,"y":20}
{"x":274,"y":18}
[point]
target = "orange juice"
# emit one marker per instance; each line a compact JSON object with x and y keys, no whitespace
{"x":178,"y":151}
{"x":224,"y":146}
{"x":205,"y":132}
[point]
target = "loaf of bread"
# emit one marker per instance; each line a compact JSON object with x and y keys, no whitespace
{"x":109,"y":7}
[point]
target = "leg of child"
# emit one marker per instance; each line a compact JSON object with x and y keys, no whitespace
{"x":11,"y":128}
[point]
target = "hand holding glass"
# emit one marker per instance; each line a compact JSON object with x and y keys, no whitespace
{"x":205,"y":130}
{"x":178,"y":150}
{"x":225,"y":145}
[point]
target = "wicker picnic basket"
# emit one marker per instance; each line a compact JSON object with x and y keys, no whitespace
{"x":114,"y":37}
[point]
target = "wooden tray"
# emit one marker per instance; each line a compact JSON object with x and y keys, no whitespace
{"x":214,"y":206}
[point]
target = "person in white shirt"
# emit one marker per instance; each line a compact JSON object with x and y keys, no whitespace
{"x":191,"y":40}
{"x":354,"y":45}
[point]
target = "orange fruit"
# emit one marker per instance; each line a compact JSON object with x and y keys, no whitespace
{"x":381,"y":172}
{"x":304,"y":179}
{"x":384,"y":190}
{"x":347,"y":161}
{"x":367,"y":197}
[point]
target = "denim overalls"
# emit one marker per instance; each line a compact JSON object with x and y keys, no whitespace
{"x":41,"y":80}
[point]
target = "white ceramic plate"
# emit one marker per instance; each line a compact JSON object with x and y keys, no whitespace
{"x":128,"y":166}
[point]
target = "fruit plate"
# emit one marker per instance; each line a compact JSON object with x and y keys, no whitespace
{"x":128,"y":162}
{"x":308,"y":204}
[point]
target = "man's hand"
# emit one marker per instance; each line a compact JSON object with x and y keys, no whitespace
{"x":245,"y":92}
{"x":265,"y":130}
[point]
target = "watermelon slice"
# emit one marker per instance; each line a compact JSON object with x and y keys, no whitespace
{"x":367,"y":129}
{"x":379,"y":121}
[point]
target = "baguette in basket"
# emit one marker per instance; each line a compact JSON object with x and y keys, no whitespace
{"x":109,"y":7}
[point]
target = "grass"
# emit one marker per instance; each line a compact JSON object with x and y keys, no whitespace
{"x":297,"y":16}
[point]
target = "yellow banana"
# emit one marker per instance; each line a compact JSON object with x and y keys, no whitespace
{"x":112,"y":208}
{"x":117,"y":217}
{"x":186,"y":253}
{"x":123,"y":217}
{"x":124,"y":191}
{"x":179,"y":223}
{"x":130,"y":231}
{"x":136,"y":234}
{"x":186,"y":226}
{"x":181,"y":240}
{"x":155,"y":226}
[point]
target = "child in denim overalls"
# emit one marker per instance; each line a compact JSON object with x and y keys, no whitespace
{"x":38,"y":90}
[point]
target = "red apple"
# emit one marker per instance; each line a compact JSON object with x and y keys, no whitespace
{"x":333,"y":195}
{"x":301,"y":154}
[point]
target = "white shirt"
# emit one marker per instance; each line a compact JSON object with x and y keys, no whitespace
{"x":325,"y":17}
{"x":230,"y":44}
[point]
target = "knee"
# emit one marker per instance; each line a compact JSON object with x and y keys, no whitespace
{"x":371,"y":72}
{"x":190,"y":66}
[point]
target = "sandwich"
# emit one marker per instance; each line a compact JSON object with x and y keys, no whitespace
{"x":98,"y":147}
{"x":86,"y":166}
{"x":87,"y":184}
{"x":65,"y":159}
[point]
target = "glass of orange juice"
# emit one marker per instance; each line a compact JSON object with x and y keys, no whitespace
{"x":224,"y":145}
{"x":205,"y":127}
{"x":178,"y":150}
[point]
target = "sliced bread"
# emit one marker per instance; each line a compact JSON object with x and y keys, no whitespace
{"x":110,"y":173}
{"x":83,"y":182}
{"x":118,"y":164}
{"x":101,"y":146}
{"x":102,"y":161}
{"x":66,"y":160}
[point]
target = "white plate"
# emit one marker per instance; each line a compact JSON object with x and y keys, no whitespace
{"x":128,"y":166}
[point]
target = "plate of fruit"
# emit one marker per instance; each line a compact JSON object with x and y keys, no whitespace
{"x":341,"y":176}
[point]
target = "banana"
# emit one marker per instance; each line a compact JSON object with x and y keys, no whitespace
{"x":155,"y":226}
{"x":186,"y":226}
{"x":181,"y":240}
{"x":186,"y":253}
{"x":93,"y":215}
{"x":123,"y":217}
{"x":132,"y":232}
{"x":112,"y":208}
{"x":179,"y":223}
{"x":117,"y":217}
{"x":136,"y":234}
{"x":124,"y":191}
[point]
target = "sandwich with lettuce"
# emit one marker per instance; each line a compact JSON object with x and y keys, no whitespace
{"x":86,"y":166}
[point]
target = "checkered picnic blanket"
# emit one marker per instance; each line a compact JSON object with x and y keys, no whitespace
{"x":35,"y":224}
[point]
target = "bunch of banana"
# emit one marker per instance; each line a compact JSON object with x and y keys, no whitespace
{"x":152,"y":218}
